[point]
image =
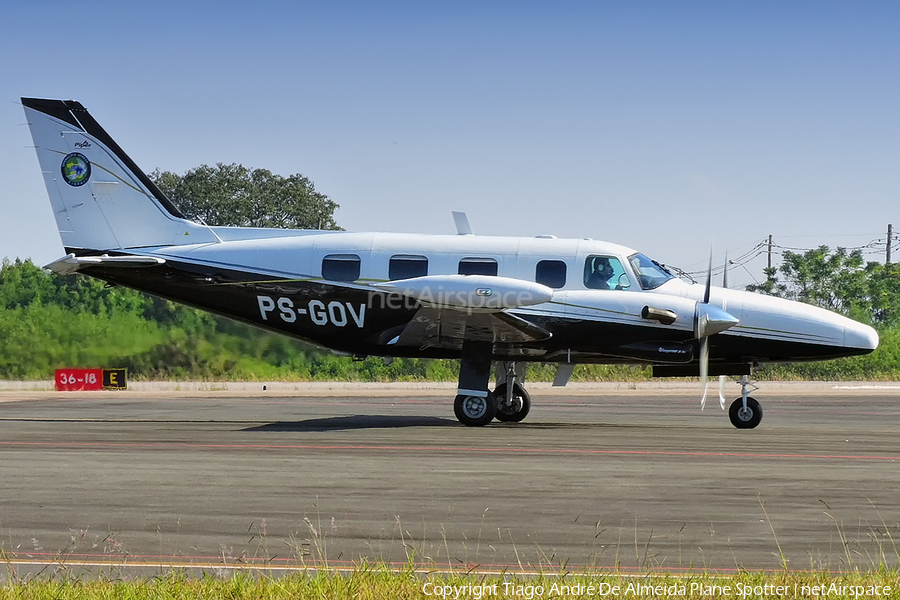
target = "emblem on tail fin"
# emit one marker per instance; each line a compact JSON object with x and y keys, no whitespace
{"x":76,"y":169}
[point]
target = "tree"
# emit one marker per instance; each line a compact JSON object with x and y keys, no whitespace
{"x":840,"y":281}
{"x":237,"y":196}
{"x":771,"y":286}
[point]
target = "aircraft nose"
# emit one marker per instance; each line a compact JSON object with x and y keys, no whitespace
{"x":857,"y":335}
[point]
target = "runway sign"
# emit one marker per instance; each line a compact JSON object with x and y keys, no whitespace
{"x":114,"y":379}
{"x":77,"y":380}
{"x":72,"y":380}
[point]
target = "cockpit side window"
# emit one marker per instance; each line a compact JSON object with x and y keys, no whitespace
{"x":605,"y":273}
{"x":650,"y":273}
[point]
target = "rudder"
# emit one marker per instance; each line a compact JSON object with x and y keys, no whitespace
{"x":100,"y":198}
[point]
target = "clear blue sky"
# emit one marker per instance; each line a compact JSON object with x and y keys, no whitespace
{"x":664,"y":126}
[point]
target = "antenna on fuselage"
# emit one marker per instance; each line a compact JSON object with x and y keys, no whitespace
{"x":462,"y":223}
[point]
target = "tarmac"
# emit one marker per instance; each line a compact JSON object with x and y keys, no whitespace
{"x":608,"y":476}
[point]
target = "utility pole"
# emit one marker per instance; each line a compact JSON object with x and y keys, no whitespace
{"x":890,"y":238}
{"x":770,"y":250}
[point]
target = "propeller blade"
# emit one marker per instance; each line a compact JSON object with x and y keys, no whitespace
{"x":722,"y":392}
{"x":704,"y":369}
{"x":725,"y":272}
{"x":708,"y":279}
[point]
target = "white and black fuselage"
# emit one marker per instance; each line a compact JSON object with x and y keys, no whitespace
{"x":277,"y":283}
{"x":475,"y":298}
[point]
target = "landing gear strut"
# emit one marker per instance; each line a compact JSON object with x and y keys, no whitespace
{"x":745,"y":412}
{"x":513,"y":402}
{"x":475,"y":405}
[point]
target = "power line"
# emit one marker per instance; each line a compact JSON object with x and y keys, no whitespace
{"x":878,"y":246}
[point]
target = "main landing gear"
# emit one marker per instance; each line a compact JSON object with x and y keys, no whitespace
{"x":475,"y":411}
{"x":475,"y":404}
{"x":745,"y":412}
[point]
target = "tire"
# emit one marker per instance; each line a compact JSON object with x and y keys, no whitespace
{"x":474,"y":411}
{"x":745,"y":419}
{"x":521,"y":404}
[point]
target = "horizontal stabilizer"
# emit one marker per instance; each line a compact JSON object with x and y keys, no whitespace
{"x":70,"y":263}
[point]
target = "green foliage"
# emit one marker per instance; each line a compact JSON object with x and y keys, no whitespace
{"x":38,"y":339}
{"x":840,"y":281}
{"x":22,"y":285}
{"x":384,"y":581}
{"x":237,"y":196}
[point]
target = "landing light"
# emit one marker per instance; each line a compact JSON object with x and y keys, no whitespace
{"x":666,"y":317}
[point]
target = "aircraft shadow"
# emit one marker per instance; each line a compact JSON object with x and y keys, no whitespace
{"x":356,"y":422}
{"x":353,"y":422}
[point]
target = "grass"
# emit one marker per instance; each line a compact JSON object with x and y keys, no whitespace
{"x":309,"y":574}
{"x":870,"y":568}
{"x":381,"y":582}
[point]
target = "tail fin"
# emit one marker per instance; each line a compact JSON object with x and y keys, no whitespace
{"x":101,"y":199}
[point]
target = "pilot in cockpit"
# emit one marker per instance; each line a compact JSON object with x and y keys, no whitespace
{"x":601,"y":273}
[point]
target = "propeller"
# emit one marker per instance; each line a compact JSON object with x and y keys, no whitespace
{"x":704,"y":340}
{"x":724,"y":307}
{"x":710,"y":320}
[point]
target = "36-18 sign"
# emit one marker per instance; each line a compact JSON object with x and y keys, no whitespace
{"x":72,"y":380}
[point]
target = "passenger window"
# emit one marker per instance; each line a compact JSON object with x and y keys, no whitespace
{"x":605,"y":273}
{"x":478,"y":266}
{"x":404,"y":266}
{"x":340,"y":267}
{"x":551,"y":273}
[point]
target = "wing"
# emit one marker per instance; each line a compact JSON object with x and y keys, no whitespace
{"x":448,"y":328}
{"x":455,"y":308}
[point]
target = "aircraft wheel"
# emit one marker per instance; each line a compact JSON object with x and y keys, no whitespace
{"x":517,"y":409}
{"x":475,"y":411}
{"x":745,"y":418}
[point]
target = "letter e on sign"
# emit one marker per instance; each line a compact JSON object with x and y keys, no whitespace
{"x":115,"y":379}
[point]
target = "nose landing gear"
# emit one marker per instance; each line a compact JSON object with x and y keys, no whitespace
{"x":513,"y":402}
{"x":745,"y":412}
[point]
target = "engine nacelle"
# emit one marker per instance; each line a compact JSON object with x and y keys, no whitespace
{"x":470,"y":292}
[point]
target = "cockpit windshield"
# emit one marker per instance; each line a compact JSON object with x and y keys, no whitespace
{"x":650,"y":273}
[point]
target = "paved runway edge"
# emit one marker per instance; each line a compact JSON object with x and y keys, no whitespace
{"x":443,"y":388}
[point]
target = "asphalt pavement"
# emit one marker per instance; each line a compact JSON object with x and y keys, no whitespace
{"x":602,"y":478}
